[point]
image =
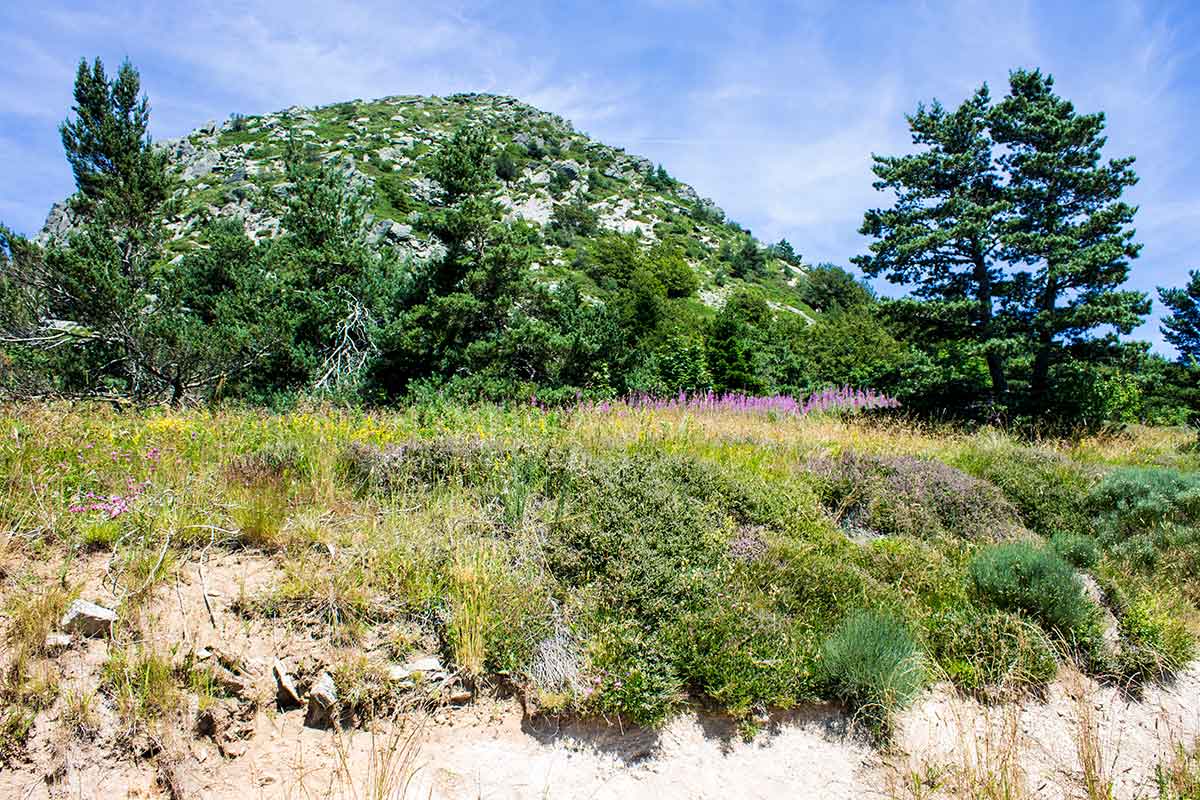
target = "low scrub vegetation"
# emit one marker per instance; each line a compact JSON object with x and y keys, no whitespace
{"x":624,"y":561}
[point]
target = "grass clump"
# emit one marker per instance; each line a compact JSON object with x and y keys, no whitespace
{"x":873,"y":663}
{"x":142,"y":684}
{"x":1077,"y":549}
{"x":1029,"y":579}
{"x":987,"y":651}
{"x":1148,"y":520}
{"x":1177,"y":777}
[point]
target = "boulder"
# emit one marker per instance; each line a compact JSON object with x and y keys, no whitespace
{"x":391,"y":232}
{"x":322,"y":702}
{"x":425,"y":669}
{"x":202,"y":164}
{"x":56,"y":642}
{"x":286,"y":694}
{"x":88,"y":619}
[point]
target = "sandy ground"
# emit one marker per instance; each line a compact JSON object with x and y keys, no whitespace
{"x":489,"y":749}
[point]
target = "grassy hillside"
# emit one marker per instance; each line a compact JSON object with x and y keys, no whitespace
{"x":609,"y":561}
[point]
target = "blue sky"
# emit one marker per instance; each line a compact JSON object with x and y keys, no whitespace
{"x":771,"y":108}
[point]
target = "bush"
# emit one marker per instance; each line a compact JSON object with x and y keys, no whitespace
{"x":911,"y":496}
{"x":634,"y":674}
{"x":872,"y":663}
{"x":1025,"y":578}
{"x":1076,"y":549}
{"x":1048,"y":489}
{"x":1133,"y":499}
{"x":980,"y":649}
{"x":1155,"y":641}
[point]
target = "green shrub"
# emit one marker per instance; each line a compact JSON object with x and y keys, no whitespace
{"x":873,"y":663}
{"x":1026,"y":578}
{"x":1133,"y":499}
{"x":1077,"y":549}
{"x":746,"y":657}
{"x":1048,"y":489}
{"x":1155,"y":641}
{"x":980,"y":649}
{"x":634,"y":675}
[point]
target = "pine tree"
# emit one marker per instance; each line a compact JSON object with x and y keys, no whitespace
{"x":944,"y":232}
{"x":1182,"y":327}
{"x":122,"y":180}
{"x":103,"y":313}
{"x":1068,"y":221}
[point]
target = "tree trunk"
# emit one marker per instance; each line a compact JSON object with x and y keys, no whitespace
{"x":994,"y":361}
{"x":1039,"y":380}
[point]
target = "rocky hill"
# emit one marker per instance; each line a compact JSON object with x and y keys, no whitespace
{"x":551,"y":176}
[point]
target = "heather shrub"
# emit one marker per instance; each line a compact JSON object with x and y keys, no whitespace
{"x":979,"y":649}
{"x":873,"y":663}
{"x":674,"y":555}
{"x":634,"y":674}
{"x":1048,"y":489}
{"x":419,"y":463}
{"x":910,"y":496}
{"x":724,"y":647}
{"x":1032,"y":580}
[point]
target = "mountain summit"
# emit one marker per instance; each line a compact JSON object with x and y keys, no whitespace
{"x":551,"y":176}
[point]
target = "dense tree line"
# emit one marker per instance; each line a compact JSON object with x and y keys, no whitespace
{"x":1007,"y":226}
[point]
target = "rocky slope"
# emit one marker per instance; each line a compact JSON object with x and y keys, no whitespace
{"x":235,"y":169}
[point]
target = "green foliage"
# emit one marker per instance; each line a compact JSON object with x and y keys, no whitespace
{"x":394,"y":192}
{"x":1138,"y":499}
{"x":1155,"y":641}
{"x":744,"y":260}
{"x":737,"y":343}
{"x":1049,"y":490}
{"x":981,"y":650}
{"x":1028,"y":579}
{"x":838,"y":348}
{"x":672,"y":270}
{"x":1182,"y":327}
{"x":784,"y":251}
{"x":827,"y":287}
{"x":576,"y":218}
{"x":507,"y":167}
{"x":944,"y":232}
{"x":873,"y":663}
{"x":1077,"y":549}
{"x":1068,"y":216}
{"x":122,"y":180}
{"x":1015,"y":237}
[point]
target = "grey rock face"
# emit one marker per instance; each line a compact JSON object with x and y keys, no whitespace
{"x":391,"y":232}
{"x":59,"y":224}
{"x":88,"y":619}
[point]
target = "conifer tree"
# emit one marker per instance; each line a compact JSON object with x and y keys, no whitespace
{"x":1067,"y":221}
{"x":1182,"y":327}
{"x":944,"y":232}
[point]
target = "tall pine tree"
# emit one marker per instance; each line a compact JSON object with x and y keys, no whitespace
{"x":1068,"y":221}
{"x":944,"y":232}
